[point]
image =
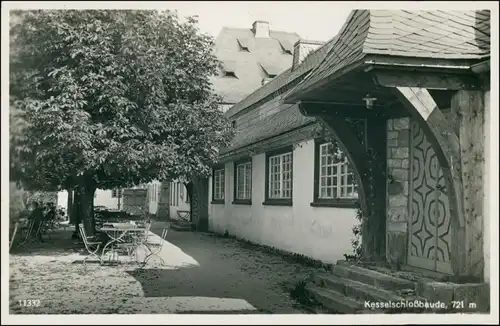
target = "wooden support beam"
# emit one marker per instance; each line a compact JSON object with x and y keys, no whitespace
{"x":468,"y":107}
{"x":315,"y":109}
{"x":349,"y":110}
{"x":445,"y":142}
{"x":428,"y":80}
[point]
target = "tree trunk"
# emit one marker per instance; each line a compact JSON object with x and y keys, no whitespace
{"x":75,"y":212}
{"x":189,"y":189}
{"x":69,"y":204}
{"x":87,"y":208}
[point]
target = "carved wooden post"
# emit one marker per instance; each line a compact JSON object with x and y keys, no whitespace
{"x":458,"y":142}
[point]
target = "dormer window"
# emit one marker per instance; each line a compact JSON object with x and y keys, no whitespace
{"x":270,"y":70}
{"x":286,"y":47}
{"x":243,"y":44}
{"x":229,"y":69}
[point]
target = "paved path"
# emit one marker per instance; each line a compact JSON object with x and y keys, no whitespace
{"x":205,"y":266}
{"x":202,"y":274}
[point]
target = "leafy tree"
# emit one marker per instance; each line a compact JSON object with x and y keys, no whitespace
{"x":111,"y":98}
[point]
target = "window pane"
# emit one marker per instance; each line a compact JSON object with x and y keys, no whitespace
{"x":328,"y":193}
{"x":219,"y":184}
{"x":280,"y":176}
{"x":323,"y":160}
{"x":350,"y":179}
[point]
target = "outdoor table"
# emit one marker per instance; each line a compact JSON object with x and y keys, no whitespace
{"x":117,"y":231}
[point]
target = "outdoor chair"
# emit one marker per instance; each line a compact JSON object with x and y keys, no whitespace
{"x":91,"y":245}
{"x":136,"y":240}
{"x":30,"y":234}
{"x":13,"y":236}
{"x":184,"y":215}
{"x":155,"y":248}
{"x":49,"y":226}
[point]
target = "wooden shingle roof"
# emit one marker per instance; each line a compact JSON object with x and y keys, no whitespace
{"x":417,"y":34}
{"x":285,"y":119}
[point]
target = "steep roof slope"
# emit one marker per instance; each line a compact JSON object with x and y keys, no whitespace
{"x":418,"y":34}
{"x":250,"y":59}
{"x":287,"y":116}
{"x":286,"y":78}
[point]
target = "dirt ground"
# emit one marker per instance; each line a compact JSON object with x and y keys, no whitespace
{"x":202,"y":274}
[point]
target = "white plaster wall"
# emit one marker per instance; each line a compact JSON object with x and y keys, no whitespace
{"x":153,"y":196}
{"x":103,"y":198}
{"x":62,"y":200}
{"x":488,"y":175}
{"x":322,"y":233}
{"x":225,"y":107}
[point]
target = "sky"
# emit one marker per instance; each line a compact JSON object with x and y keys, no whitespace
{"x":313,"y":20}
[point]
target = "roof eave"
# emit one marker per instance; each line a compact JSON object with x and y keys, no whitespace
{"x":482,"y":67}
{"x":296,"y":96}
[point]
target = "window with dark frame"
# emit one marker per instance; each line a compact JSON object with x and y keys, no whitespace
{"x":243,"y":182}
{"x":334,"y":183}
{"x":218,"y":185}
{"x":117,"y":192}
{"x":279,"y":177}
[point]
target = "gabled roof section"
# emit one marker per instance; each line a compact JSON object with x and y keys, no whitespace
{"x":287,"y":46}
{"x":230,"y":45}
{"x":271,"y":69}
{"x":287,"y":78}
{"x":452,"y":35}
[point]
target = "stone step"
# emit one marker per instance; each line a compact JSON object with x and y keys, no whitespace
{"x":368,"y":295}
{"x":334,"y":301}
{"x":370,"y":277}
{"x":355,"y":289}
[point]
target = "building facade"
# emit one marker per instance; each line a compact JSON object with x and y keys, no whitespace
{"x":281,"y":184}
{"x":419,"y":154}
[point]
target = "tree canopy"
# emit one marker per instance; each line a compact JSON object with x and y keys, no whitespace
{"x":111,"y":98}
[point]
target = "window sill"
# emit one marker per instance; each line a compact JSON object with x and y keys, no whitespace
{"x":219,"y":202}
{"x":278,"y":202}
{"x":338,"y":203}
{"x":242,"y":202}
